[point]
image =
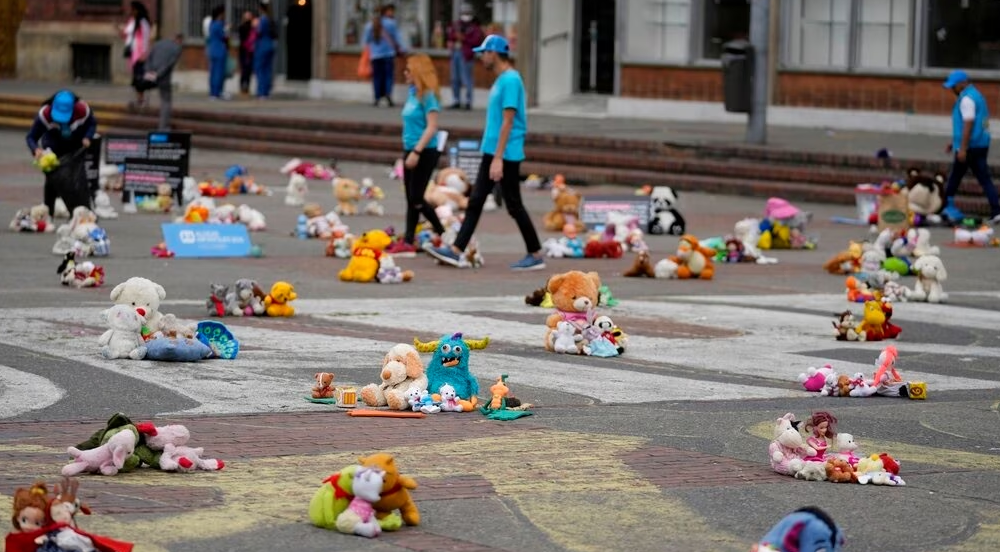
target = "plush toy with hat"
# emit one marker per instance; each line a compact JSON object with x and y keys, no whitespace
{"x":366,"y":252}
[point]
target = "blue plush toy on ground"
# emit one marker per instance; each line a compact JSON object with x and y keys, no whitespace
{"x":807,"y":529}
{"x":218,"y":338}
{"x":450,"y":364}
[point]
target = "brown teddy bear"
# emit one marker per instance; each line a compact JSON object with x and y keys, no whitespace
{"x":575,"y":295}
{"x":566,"y":211}
{"x":395,"y":489}
{"x":348,"y":194}
{"x":642,"y":266}
{"x":452,"y":188}
{"x":840,"y":471}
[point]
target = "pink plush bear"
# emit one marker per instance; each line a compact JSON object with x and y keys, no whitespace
{"x":788,"y":449}
{"x":185,"y":459}
{"x":106,"y":459}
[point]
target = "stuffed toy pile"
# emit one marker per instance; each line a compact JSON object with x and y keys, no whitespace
{"x":575,"y":327}
{"x":242,"y":298}
{"x":784,"y":226}
{"x":338,"y":505}
{"x":82,"y":236}
{"x":816,"y":451}
{"x":885,"y":380}
{"x":32,"y":219}
{"x":79,"y":275}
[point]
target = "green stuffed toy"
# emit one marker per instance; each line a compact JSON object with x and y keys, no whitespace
{"x":335,"y":495}
{"x":117,"y":423}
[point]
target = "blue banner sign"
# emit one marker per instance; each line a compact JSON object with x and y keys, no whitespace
{"x":207,"y":240}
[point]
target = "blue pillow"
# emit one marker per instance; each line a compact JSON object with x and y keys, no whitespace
{"x":176,"y":349}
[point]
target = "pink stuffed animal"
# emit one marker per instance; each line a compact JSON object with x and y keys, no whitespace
{"x":359,"y":517}
{"x":814,"y":379}
{"x":788,"y":449}
{"x":185,"y":459}
{"x":157,"y":438}
{"x":106,"y":459}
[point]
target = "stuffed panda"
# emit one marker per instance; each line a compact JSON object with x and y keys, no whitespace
{"x":926,"y":195}
{"x":664,"y":218}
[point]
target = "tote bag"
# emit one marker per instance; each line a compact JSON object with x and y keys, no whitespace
{"x":365,"y":64}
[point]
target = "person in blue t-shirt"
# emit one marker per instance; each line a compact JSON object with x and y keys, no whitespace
{"x":217,"y":44}
{"x":263,"y":52}
{"x":420,"y":148}
{"x":503,"y":151}
{"x":970,"y":128}
{"x":381,"y":37}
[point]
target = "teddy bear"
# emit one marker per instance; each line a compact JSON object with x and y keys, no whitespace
{"x":839,"y":471}
{"x":395,"y":490}
{"x":348,"y":194}
{"x":181,"y":458}
{"x":365,"y":254}
{"x":451,"y":188}
{"x":574,"y":295}
{"x":664,"y":218}
{"x":930,"y":273}
{"x":358,"y":518}
{"x":142,"y":293}
{"x":925,"y":195}
{"x":401,"y":369}
{"x":277,"y":302}
{"x":844,"y":448}
{"x":788,"y":449}
{"x":565,"y":211}
{"x":812,"y":471}
{"x":449,"y":399}
{"x":252,"y":218}
{"x":565,"y":338}
{"x":323,"y":388}
{"x":221,"y":301}
{"x":249,"y":297}
{"x":295,"y":192}
{"x":642,"y":266}
{"x":124,"y":338}
{"x":666,"y":269}
{"x":106,"y":459}
{"x":693,"y":260}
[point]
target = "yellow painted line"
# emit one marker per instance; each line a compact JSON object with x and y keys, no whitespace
{"x":571,"y":486}
{"x":986,"y":537}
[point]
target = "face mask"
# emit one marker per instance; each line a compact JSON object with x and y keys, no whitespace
{"x":466,"y":18}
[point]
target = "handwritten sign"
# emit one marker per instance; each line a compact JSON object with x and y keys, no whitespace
{"x":207,"y":240}
{"x":594,"y":209}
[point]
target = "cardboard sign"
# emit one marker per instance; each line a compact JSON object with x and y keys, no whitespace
{"x":207,"y":240}
{"x":119,"y":146}
{"x":894,"y":211}
{"x":92,"y":164}
{"x":594,"y":209}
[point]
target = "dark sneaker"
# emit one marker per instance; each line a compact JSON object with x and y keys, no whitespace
{"x":401,"y":249}
{"x":530,"y":262}
{"x":445,"y":254}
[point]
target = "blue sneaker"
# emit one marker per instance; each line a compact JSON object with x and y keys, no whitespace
{"x":445,"y":254}
{"x":529,"y":262}
{"x":951,"y":213}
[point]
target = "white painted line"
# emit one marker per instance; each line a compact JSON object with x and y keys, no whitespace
{"x":21,"y":392}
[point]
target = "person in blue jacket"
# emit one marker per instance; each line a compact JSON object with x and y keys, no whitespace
{"x":381,"y":37}
{"x":217,"y":44}
{"x":970,"y":142}
{"x":263,"y":53}
{"x":64,"y":124}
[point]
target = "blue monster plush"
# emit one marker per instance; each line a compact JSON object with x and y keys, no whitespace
{"x":807,"y":529}
{"x":450,"y":364}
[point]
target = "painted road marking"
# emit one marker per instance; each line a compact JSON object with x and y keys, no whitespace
{"x":22,"y":392}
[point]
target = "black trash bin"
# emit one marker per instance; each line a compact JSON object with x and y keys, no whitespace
{"x":68,"y":180}
{"x":737,"y":76}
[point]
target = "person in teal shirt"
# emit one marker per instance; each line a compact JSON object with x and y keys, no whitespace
{"x":970,"y":143}
{"x":502,"y":146}
{"x":420,"y":148}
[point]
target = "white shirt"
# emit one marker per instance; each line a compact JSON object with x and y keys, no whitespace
{"x":968,"y":109}
{"x":205,"y":23}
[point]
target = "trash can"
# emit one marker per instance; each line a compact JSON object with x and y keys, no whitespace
{"x":737,"y":73}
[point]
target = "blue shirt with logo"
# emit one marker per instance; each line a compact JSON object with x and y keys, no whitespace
{"x":415,"y":112}
{"x":507,"y":93}
{"x":980,"y":136}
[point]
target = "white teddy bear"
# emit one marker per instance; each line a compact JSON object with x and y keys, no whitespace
{"x":449,"y":399}
{"x":665,"y":268}
{"x":252,"y":218}
{"x":565,"y":338}
{"x":930,"y":273}
{"x":124,"y":339}
{"x":141,"y":293}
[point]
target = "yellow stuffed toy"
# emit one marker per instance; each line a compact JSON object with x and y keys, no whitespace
{"x":47,"y":162}
{"x":365,"y":255}
{"x":276,"y":302}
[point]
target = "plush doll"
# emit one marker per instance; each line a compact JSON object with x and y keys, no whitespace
{"x":153,"y":440}
{"x":333,"y":497}
{"x":141,"y":293}
{"x":401,"y":369}
{"x":812,"y":470}
{"x":894,"y":292}
{"x":839,"y":471}
{"x":395,"y":490}
{"x":348,"y":194}
{"x":872,"y":470}
{"x":323,"y":388}
{"x":642,"y":266}
{"x":844,"y":448}
{"x":823,"y":428}
{"x":366,"y":252}
{"x":575,"y":295}
{"x":359,"y":516}
{"x":807,"y":529}
{"x":858,"y":290}
{"x":124,"y":336}
{"x":185,"y":459}
{"x":87,"y":274}
{"x":450,"y":364}
{"x":106,"y":459}
{"x":449,"y":399}
{"x":295,"y":192}
{"x":30,"y":510}
{"x":888,"y":382}
{"x":252,"y":218}
{"x":277,"y":302}
{"x":116,"y":424}
{"x":555,"y":249}
{"x":693,"y":260}
{"x":788,"y":449}
{"x":339,"y":245}
{"x":859,"y":387}
{"x":372,"y":194}
{"x":845,"y":327}
{"x":313,"y":171}
{"x":565,"y":338}
{"x":664,"y":217}
{"x":814,"y":379}
{"x":451,"y":189}
{"x":930,"y":273}
{"x":216,"y":302}
{"x":566,"y":210}
{"x":889,"y":330}
{"x":421,"y":400}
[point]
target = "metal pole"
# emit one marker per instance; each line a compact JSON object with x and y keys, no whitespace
{"x":593,"y":56}
{"x":760,"y":20}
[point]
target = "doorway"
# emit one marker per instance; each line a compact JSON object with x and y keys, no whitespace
{"x":298,"y":40}
{"x":597,"y":46}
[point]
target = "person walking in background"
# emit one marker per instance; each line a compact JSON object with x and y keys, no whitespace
{"x":463,"y":35}
{"x":970,"y":144}
{"x":248,"y":36}
{"x":420,"y":148}
{"x":64,"y":124}
{"x":382,"y":39}
{"x":136,"y":34}
{"x":263,"y":51}
{"x":163,"y":57}
{"x":218,"y":54}
{"x":503,"y":151}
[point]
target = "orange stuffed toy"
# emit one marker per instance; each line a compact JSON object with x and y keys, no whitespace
{"x":693,"y":260}
{"x":395,"y":490}
{"x":565,"y":211}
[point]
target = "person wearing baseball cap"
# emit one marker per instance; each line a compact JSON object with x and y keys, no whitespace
{"x":970,"y":144}
{"x":502,"y":146}
{"x":64,"y":124}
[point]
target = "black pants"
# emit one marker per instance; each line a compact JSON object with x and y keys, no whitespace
{"x":510,"y":189}
{"x":975,"y":159}
{"x":415,"y":182}
{"x":382,"y":77}
{"x":246,"y":69}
